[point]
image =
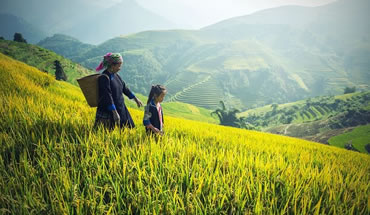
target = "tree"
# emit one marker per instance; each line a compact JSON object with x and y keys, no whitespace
{"x":367,"y":147}
{"x":229,"y":118}
{"x":274,"y":107}
{"x":59,"y":72}
{"x":349,"y":90}
{"x":2,"y":38}
{"x":19,"y":38}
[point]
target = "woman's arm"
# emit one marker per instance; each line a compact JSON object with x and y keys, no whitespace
{"x":128,"y":92}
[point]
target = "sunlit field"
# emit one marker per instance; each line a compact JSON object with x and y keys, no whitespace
{"x":52,"y":161}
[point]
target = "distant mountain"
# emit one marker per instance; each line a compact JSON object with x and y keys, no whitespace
{"x":66,"y":46}
{"x":248,"y":64}
{"x":89,"y":22}
{"x":123,"y":18}
{"x":341,"y":14}
{"x":10,"y":24}
{"x":50,"y":15}
{"x":339,"y":24}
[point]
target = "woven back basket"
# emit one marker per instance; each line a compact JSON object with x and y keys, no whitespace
{"x":90,"y":88}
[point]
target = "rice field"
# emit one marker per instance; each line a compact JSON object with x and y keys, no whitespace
{"x":52,"y":161}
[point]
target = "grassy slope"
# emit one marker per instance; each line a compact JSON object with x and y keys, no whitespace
{"x":321,"y":122}
{"x":42,"y":59}
{"x":51,"y":161}
{"x":179,"y":110}
{"x":359,"y":137}
{"x":267,"y":108}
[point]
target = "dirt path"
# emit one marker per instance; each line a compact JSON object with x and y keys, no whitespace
{"x":286,"y":129}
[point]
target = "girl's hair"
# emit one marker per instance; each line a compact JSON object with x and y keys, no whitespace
{"x":156,"y":90}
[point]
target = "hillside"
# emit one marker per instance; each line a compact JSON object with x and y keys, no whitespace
{"x":179,"y":110}
{"x":53,"y":162}
{"x":250,"y":61}
{"x":317,"y":119}
{"x":65,"y":45}
{"x":42,"y":59}
{"x":358,"y":138}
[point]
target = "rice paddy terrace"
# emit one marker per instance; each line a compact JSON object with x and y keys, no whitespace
{"x":204,"y":93}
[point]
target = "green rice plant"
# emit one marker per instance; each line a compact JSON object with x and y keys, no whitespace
{"x":52,"y":161}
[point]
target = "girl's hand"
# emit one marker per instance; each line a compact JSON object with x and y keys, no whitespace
{"x":155,"y":130}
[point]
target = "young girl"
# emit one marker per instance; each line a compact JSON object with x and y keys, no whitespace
{"x":153,"y":115}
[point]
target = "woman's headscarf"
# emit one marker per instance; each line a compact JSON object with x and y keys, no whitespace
{"x":109,"y":59}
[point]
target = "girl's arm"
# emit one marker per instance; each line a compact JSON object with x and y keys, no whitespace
{"x":154,"y":129}
{"x":146,"y":120}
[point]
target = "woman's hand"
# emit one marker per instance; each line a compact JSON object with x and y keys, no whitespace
{"x":138,"y":102}
{"x":116,"y":117}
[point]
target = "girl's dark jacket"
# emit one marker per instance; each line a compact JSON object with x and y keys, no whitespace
{"x":151,"y":116}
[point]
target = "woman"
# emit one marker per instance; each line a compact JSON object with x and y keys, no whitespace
{"x":111,"y":109}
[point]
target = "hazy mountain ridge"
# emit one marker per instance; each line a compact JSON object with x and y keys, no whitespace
{"x":66,"y":46}
{"x":92,"y":25}
{"x":10,"y":24}
{"x":252,"y":64}
{"x":123,"y":18}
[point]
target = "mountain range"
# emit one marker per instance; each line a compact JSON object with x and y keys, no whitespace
{"x":273,"y":56}
{"x":82,"y":19}
{"x":10,"y":24}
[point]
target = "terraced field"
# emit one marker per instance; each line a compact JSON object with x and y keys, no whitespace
{"x":179,"y":83}
{"x":350,"y":106}
{"x":205,"y":93}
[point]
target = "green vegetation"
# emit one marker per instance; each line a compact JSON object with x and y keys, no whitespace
{"x":246,"y":72}
{"x":179,"y":110}
{"x":358,"y":137}
{"x":53,"y":162}
{"x":205,"y":93}
{"x":42,"y":59}
{"x":228,"y":117}
{"x":349,"y":90}
{"x":342,"y":111}
{"x":18,"y":37}
{"x":318,"y":119}
{"x":188,"y":111}
{"x":66,"y":46}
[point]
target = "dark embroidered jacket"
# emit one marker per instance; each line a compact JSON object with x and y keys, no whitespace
{"x":151,"y":116}
{"x":111,"y":87}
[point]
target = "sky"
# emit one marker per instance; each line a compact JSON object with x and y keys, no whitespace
{"x":200,"y":13}
{"x":191,"y":14}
